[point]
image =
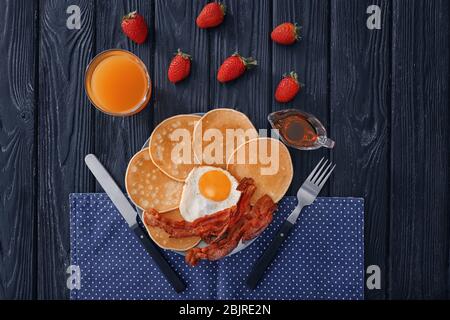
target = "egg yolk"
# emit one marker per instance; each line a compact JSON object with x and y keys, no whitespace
{"x":214,"y":185}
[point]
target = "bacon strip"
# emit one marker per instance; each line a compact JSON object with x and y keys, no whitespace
{"x":204,"y":227}
{"x":207,"y":227}
{"x":259,"y":218}
{"x":250,"y":226}
{"x":222,"y":230}
{"x":217,"y":249}
{"x":248,"y":188}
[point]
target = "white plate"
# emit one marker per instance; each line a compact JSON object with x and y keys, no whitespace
{"x":241,"y":246}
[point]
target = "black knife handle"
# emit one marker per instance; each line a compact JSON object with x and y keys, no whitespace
{"x":268,"y":255}
{"x":159,"y":259}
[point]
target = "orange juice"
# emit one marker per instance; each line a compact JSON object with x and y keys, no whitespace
{"x":117,"y":83}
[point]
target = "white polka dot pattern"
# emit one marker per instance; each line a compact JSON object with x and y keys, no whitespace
{"x":323,"y":258}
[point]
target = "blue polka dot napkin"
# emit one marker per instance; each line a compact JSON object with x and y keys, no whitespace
{"x":323,"y":258}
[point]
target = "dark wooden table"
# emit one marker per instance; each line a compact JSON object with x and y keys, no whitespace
{"x":383,"y":95}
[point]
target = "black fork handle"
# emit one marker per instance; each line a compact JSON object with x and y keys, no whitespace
{"x":268,"y":255}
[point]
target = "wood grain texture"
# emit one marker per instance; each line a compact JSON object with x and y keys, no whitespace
{"x":175,"y":28}
{"x":117,"y":139}
{"x":246,"y":29}
{"x":64,"y":136}
{"x":17,"y":150}
{"x":309,"y":58}
{"x":419,"y":241}
{"x":383,"y":95}
{"x":360,"y":98}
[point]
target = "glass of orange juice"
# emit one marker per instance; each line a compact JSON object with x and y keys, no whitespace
{"x":117,"y":83}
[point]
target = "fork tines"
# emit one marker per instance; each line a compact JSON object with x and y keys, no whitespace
{"x":321,"y":173}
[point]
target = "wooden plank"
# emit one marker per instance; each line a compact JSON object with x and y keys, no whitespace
{"x":17,"y":152}
{"x":175,"y":28}
{"x":419,"y":240}
{"x":117,"y":139}
{"x":360,"y":97}
{"x":64,"y":137}
{"x":309,"y":58}
{"x":246,"y":29}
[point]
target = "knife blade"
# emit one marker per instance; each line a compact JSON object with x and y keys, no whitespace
{"x":112,"y":189}
{"x":130,"y":215}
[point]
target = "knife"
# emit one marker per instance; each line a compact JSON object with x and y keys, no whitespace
{"x":130,"y":215}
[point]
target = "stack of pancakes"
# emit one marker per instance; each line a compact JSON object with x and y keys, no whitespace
{"x":155,"y":175}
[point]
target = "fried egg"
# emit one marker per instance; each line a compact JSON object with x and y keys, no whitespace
{"x":206,"y":191}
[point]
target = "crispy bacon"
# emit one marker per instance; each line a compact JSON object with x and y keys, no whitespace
{"x":259,"y":218}
{"x":207,"y":227}
{"x":248,"y":188}
{"x":204,"y":227}
{"x":253,"y":222}
{"x":217,"y":249}
{"x":222,"y":230}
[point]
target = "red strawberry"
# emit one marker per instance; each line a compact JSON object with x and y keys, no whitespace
{"x":233,"y":67}
{"x":211,"y":15}
{"x":287,"y":88}
{"x":179,"y":67}
{"x":286,"y":33}
{"x":135,"y":27}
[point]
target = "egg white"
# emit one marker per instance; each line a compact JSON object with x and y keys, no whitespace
{"x":194,"y":205}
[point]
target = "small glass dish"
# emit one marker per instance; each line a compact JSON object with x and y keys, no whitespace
{"x":300,"y":130}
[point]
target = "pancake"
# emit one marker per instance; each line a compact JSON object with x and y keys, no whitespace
{"x":161,"y":146}
{"x":148,"y":187}
{"x":164,"y":240}
{"x":221,"y":120}
{"x":270,"y":178}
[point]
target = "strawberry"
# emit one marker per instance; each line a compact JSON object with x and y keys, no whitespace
{"x":288,"y":88}
{"x":233,"y":67}
{"x":135,"y":27}
{"x":286,"y":33}
{"x":179,"y":67}
{"x":211,"y":15}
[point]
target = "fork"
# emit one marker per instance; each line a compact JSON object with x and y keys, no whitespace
{"x":306,"y":195}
